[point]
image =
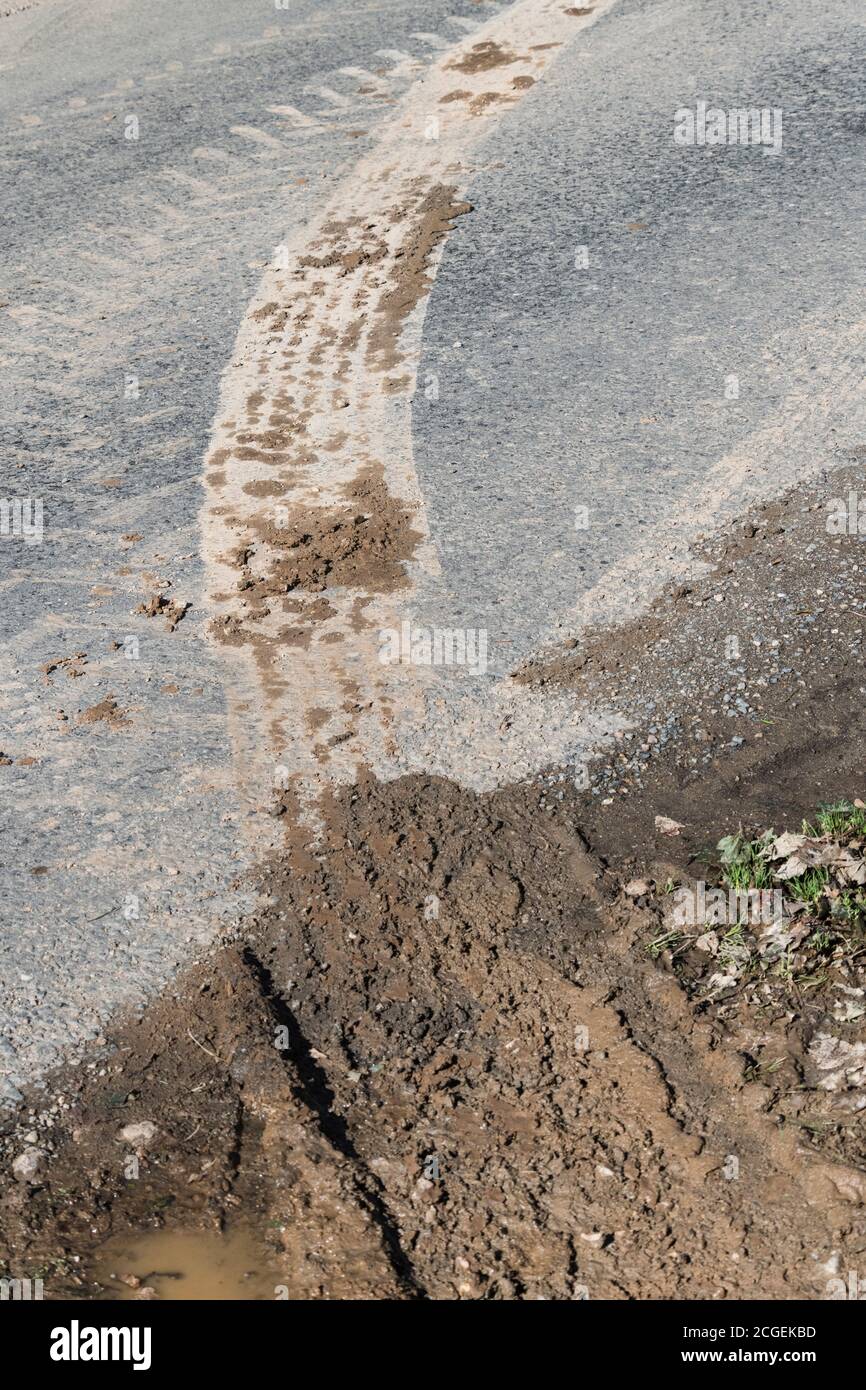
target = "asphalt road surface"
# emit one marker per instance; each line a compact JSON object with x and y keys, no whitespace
{"x":626,"y":342}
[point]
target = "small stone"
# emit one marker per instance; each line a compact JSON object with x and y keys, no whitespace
{"x":709,"y":942}
{"x":140,"y":1135}
{"x":637,"y":888}
{"x":668,"y":826}
{"x":26,"y":1166}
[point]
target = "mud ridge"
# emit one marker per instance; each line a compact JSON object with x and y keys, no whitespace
{"x":313,"y":1090}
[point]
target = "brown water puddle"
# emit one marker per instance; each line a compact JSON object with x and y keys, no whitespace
{"x":186,"y":1265}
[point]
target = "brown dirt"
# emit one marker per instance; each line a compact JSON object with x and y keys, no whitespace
{"x":348,"y":260}
{"x":478,"y":105}
{"x":441,"y":1062}
{"x":482,"y":1087}
{"x":159,"y":606}
{"x":108,"y":712}
{"x":362,"y":546}
{"x":71,"y":666}
{"x":483,"y":57}
{"x":411,"y":280}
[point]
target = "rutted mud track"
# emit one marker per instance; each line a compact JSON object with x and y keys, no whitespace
{"x":441,"y":1065}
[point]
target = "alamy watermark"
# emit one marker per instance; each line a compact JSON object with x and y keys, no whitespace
{"x":846,"y":516}
{"x":21,"y":1290}
{"x":77,"y":1343}
{"x":709,"y":125}
{"x":21,"y":518}
{"x":852,"y":1289}
{"x":434,"y":646}
{"x":714,"y":907}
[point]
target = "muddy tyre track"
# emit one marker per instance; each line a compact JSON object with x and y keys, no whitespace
{"x":314,"y":527}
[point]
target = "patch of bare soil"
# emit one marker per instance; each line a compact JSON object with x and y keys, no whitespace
{"x":773,"y":946}
{"x":441,"y":1065}
{"x":450,"y":1059}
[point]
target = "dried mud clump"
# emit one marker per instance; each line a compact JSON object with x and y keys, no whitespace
{"x":158,"y":606}
{"x":107,"y":712}
{"x":363,"y":546}
{"x":478,"y":105}
{"x":347,"y":260}
{"x":482,"y":57}
{"x":71,"y":666}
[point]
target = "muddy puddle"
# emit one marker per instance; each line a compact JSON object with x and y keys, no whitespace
{"x":180,"y":1265}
